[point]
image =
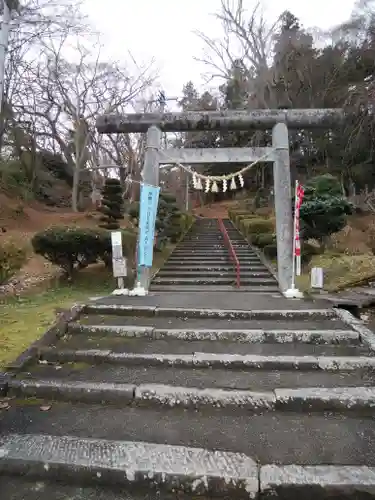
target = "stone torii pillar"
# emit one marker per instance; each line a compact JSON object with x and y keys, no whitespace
{"x":278,"y":120}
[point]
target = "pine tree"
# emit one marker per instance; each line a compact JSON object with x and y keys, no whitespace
{"x":112,"y":205}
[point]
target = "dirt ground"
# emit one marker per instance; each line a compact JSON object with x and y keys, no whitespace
{"x":20,"y":221}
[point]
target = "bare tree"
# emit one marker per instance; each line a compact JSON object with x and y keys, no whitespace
{"x":32,"y":23}
{"x":246,"y":42}
{"x":70,"y":95}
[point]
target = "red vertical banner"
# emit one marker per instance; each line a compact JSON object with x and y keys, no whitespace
{"x":299,"y":194}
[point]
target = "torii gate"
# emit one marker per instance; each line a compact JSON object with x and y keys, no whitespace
{"x":153,"y":124}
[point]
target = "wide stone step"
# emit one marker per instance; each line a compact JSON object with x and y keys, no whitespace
{"x":198,"y":251}
{"x":203,"y":241}
{"x":201,"y":247}
{"x":183,"y":272}
{"x":212,"y":256}
{"x":210,"y":253}
{"x":207,"y":260}
{"x":215,"y":249}
{"x":202,"y":237}
{"x":210,"y":360}
{"x":201,"y":255}
{"x":216,"y":288}
{"x":244,"y":283}
{"x":203,"y":267}
{"x":343,"y":399}
{"x":202,"y":259}
{"x":193,"y":320}
{"x":346,"y":483}
{"x":227,"y":342}
{"x":130,"y":464}
{"x":196,"y":377}
{"x":209,"y":280}
{"x":203,"y":264}
{"x":230,"y":332}
{"x":273,"y":437}
{"x":112,"y":306}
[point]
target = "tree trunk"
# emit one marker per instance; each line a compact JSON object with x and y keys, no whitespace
{"x":122,"y":175}
{"x":75,"y":188}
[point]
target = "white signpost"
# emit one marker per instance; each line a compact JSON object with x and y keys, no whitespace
{"x":317,"y":277}
{"x":119,"y":263}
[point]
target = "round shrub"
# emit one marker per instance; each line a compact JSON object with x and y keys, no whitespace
{"x":12,"y":258}
{"x":73,"y":248}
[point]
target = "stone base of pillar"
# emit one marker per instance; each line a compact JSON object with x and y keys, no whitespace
{"x":121,"y":291}
{"x":138,"y":291}
{"x":293,"y":293}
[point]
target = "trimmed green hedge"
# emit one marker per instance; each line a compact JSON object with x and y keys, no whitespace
{"x":263,"y":240}
{"x":259,"y":226}
{"x":258,"y":230}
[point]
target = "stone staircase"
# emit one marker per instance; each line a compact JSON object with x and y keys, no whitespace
{"x":193,"y":395}
{"x":202,"y":262}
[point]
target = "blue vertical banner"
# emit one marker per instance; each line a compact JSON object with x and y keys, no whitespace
{"x":148,"y":209}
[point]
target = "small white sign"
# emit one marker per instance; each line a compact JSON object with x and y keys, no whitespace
{"x":116,"y":238}
{"x":317,"y":277}
{"x":117,"y":252}
{"x":119,"y":267}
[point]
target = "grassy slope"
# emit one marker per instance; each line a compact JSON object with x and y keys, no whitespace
{"x":25,"y":319}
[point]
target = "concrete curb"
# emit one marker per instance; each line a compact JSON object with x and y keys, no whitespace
{"x":119,"y":331}
{"x":67,"y":390}
{"x":212,"y":360}
{"x":178,"y":469}
{"x":246,"y":336}
{"x":308,"y":399}
{"x":149,"y":311}
{"x":365,"y":334}
{"x":317,"y":482}
{"x":326,"y":399}
{"x":190,"y":397}
{"x":128,"y":463}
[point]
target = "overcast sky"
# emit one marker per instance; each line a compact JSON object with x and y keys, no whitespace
{"x":163,"y":29}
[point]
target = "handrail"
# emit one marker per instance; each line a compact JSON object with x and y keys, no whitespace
{"x":232,"y":251}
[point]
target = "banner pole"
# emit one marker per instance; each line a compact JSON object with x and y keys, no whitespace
{"x":149,"y":197}
{"x":150,"y":177}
